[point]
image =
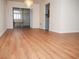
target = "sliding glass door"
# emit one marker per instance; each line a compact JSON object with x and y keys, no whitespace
{"x":21,"y":18}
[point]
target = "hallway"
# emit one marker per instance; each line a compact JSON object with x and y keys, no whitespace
{"x":38,"y":44}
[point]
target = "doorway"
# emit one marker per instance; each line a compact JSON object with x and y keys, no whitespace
{"x":47,"y":15}
{"x":21,"y":18}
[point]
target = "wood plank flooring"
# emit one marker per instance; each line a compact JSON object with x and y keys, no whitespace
{"x":38,"y":44}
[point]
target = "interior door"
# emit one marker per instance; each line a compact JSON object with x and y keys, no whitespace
{"x":47,"y":15}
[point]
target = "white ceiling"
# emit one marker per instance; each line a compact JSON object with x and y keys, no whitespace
{"x":35,"y":1}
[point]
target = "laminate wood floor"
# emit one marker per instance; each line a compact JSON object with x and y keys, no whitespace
{"x":38,"y":44}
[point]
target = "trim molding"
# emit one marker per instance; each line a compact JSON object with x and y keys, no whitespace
{"x":2,"y":32}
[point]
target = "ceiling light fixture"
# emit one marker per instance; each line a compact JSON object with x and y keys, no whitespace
{"x":29,"y":3}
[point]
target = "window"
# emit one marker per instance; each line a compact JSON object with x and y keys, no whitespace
{"x":17,"y":14}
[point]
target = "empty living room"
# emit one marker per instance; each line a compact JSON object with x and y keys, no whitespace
{"x":39,"y":29}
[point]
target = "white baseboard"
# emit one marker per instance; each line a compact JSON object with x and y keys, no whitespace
{"x":65,"y":31}
{"x":69,"y":32}
{"x":2,"y":32}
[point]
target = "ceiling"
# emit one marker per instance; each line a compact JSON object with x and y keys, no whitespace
{"x":35,"y":1}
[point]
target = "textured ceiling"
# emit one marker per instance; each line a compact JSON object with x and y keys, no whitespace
{"x":35,"y":1}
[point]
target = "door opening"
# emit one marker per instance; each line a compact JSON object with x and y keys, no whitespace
{"x":47,"y":15}
{"x":21,"y":18}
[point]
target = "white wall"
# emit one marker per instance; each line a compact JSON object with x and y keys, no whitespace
{"x":69,"y":16}
{"x":2,"y":16}
{"x":64,"y":15}
{"x":55,"y":8}
{"x":34,"y":14}
{"x":42,"y":15}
